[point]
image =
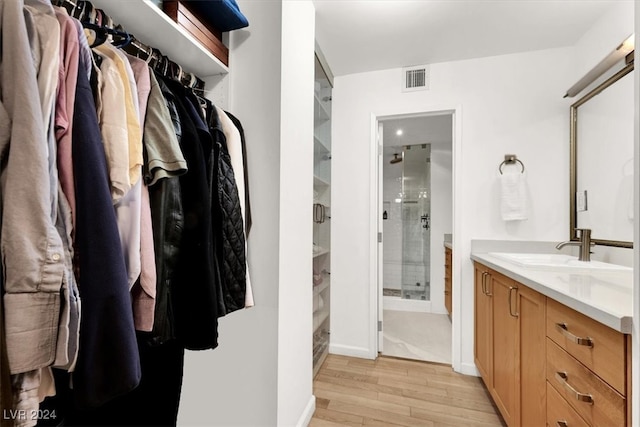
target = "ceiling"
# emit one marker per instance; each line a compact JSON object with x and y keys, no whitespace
{"x":368,"y":35}
{"x":432,"y":129}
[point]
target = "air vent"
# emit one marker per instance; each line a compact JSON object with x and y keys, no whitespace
{"x":415,"y":78}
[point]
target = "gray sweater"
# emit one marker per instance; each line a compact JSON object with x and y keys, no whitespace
{"x":31,"y":248}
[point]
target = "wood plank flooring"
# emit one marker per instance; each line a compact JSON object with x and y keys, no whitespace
{"x":395,"y":392}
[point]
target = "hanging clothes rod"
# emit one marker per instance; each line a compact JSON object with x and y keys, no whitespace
{"x":86,"y":13}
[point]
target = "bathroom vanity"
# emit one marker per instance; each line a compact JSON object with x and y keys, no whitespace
{"x":552,"y":338}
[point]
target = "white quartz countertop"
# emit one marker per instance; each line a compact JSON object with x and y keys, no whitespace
{"x":605,"y":296}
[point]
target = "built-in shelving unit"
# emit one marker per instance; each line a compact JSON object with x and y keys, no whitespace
{"x":149,"y":24}
{"x":322,"y":217}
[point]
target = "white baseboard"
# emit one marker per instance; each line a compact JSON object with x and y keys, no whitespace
{"x":307,"y":414}
{"x":347,"y":350}
{"x":469,"y":369}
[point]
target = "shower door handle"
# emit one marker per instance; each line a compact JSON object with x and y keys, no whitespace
{"x":426,"y":220}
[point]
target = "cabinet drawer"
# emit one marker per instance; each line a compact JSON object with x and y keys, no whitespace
{"x":597,"y":346}
{"x":595,"y":401}
{"x":560,"y":413}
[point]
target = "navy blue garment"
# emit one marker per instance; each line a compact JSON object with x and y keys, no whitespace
{"x":209,"y":150}
{"x":154,"y":402}
{"x":108,"y":360}
{"x":195,"y":296}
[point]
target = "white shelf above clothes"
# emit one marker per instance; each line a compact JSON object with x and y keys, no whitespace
{"x":149,"y":24}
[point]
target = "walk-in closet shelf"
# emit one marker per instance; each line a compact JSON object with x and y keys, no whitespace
{"x":322,"y":217}
{"x":149,"y":24}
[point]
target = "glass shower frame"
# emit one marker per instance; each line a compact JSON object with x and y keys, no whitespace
{"x":416,"y":222}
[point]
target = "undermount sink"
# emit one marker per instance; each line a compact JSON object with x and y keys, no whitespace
{"x":556,"y":261}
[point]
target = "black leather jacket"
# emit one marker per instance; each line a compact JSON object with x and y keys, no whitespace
{"x":195,"y":295}
{"x":168,"y":224}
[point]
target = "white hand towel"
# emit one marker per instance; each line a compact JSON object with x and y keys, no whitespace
{"x":513,"y":200}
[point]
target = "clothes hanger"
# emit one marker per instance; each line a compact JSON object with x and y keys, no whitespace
{"x":175,"y":71}
{"x":138,"y":49}
{"x":104,"y":34}
{"x":81,"y":10}
{"x":69,"y":5}
{"x":87,"y":12}
{"x":162,"y":64}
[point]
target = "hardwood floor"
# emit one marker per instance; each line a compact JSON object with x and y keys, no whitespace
{"x":396,"y":392}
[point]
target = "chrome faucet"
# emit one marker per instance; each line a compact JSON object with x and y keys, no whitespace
{"x":584,"y":243}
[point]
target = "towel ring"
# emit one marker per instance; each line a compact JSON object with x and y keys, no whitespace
{"x":510,"y":160}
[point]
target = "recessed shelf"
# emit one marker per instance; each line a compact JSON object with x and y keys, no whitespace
{"x":320,"y":146}
{"x":322,"y":230}
{"x":320,"y":252}
{"x":319,"y":357}
{"x":319,"y":318}
{"x":317,"y":290}
{"x":149,"y":24}
{"x":319,"y":181}
{"x":321,"y":112}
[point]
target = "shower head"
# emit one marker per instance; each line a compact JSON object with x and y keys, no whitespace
{"x":395,"y":159}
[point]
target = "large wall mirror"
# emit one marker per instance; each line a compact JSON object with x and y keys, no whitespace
{"x":601,"y":137}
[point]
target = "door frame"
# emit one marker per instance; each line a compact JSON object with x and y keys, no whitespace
{"x":375,"y":215}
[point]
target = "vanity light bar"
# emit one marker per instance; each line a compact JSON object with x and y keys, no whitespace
{"x":624,"y":49}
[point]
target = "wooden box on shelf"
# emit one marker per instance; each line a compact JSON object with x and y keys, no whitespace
{"x":210,"y":37}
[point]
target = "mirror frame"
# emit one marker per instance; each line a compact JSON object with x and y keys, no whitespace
{"x":573,"y":155}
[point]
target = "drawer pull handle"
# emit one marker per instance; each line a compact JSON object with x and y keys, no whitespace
{"x":562,"y":423}
{"x":511,"y":289}
{"x":485,"y":288}
{"x":582,"y":397}
{"x":562,"y":328}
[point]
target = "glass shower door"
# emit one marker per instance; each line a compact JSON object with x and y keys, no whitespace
{"x":416,"y":222}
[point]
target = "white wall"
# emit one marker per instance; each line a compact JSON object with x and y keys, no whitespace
{"x":441,"y":218}
{"x":296,"y":201}
{"x":260,"y":374}
{"x":508,"y":104}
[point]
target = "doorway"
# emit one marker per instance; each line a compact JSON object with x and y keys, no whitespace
{"x":415,"y":183}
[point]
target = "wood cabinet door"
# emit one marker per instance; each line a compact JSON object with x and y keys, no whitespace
{"x":448,"y":280}
{"x":531,"y":309}
{"x":483,"y":341}
{"x":505,"y":390}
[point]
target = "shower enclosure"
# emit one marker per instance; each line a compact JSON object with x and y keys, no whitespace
{"x":407,"y":226}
